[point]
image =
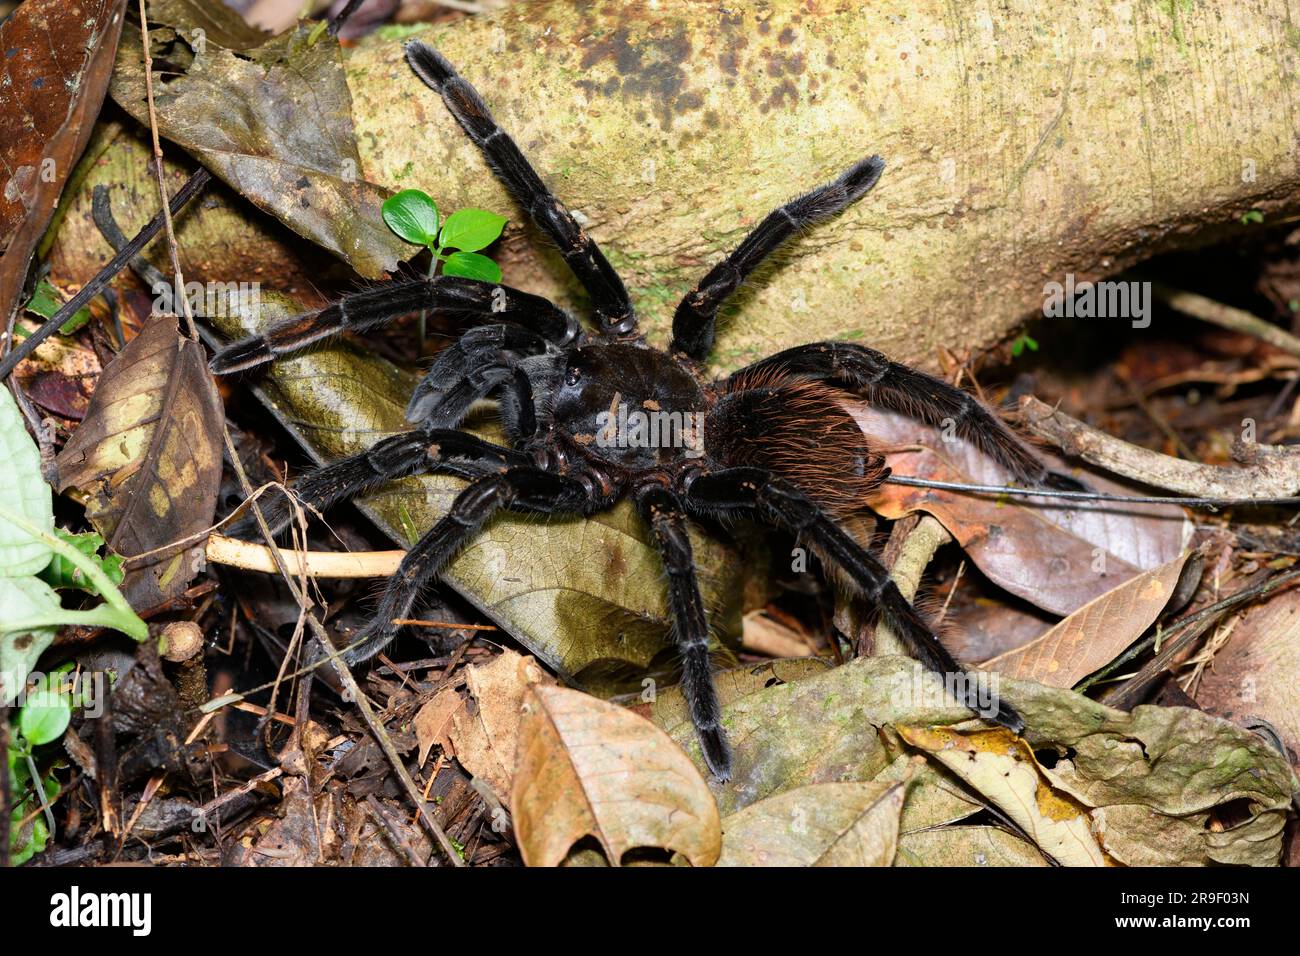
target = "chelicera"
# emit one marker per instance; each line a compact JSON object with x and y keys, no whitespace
{"x":593,"y":417}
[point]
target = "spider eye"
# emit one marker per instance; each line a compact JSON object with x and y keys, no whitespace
{"x":572,"y":375}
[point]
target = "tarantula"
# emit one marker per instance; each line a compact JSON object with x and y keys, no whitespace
{"x":772,"y":441}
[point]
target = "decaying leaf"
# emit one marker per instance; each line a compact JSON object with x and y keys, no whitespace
{"x":1055,"y":558}
{"x":1227,"y":785}
{"x":485,"y":737}
{"x":966,"y":846}
{"x":1003,"y":769}
{"x":587,"y":768}
{"x":826,"y":824}
{"x":246,"y":115}
{"x":1095,"y":634}
{"x":148,"y":456}
{"x":58,"y":56}
{"x":1255,"y":675}
{"x":432,"y":718}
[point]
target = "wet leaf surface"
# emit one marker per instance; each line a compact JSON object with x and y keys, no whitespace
{"x":148,"y":455}
{"x":55,"y":60}
{"x":587,"y":768}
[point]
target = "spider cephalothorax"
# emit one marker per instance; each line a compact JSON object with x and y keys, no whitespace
{"x":594,"y":417}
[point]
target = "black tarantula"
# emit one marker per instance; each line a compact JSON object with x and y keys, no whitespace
{"x":772,"y":441}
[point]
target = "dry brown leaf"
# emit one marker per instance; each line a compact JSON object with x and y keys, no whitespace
{"x":1094,"y":635}
{"x":588,"y":768}
{"x":148,"y":456}
{"x":431,"y":720}
{"x":825,"y":824}
{"x":485,"y":737}
{"x":1003,"y":769}
{"x":1057,"y":559}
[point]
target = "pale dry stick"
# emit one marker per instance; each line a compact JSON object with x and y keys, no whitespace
{"x":1226,"y":316}
{"x":251,"y":556}
{"x":1274,"y":473}
{"x":918,"y":549}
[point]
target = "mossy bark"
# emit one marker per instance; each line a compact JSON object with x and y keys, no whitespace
{"x":1024,"y":141}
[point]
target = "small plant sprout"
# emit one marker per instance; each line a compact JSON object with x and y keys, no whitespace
{"x":1024,"y":342}
{"x":413,"y":215}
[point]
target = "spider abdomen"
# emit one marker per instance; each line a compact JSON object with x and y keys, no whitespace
{"x":799,"y":430}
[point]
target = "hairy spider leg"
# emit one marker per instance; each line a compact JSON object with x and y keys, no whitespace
{"x":757,"y":490}
{"x":897,"y":387}
{"x":523,"y":488}
{"x":609,"y":298}
{"x":666,"y":515}
{"x":370,"y":307}
{"x":468,"y":369}
{"x":695,"y":321}
{"x":424,"y":451}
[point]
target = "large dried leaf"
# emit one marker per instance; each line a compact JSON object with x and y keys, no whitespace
{"x":275,"y":122}
{"x":1057,"y":559}
{"x":826,"y":824}
{"x":148,"y":456}
{"x":587,"y":768}
{"x":1175,"y":762}
{"x":485,"y":738}
{"x":56,"y":63}
{"x":1095,"y":634}
{"x":966,"y":846}
{"x":1003,"y":769}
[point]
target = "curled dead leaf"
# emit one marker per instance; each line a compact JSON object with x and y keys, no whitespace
{"x":148,"y":456}
{"x":587,"y":768}
{"x":1095,"y":634}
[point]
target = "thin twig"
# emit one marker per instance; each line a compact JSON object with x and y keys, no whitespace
{"x":1225,"y":316}
{"x":193,"y":186}
{"x":172,"y":248}
{"x":1209,"y":611}
{"x":1211,"y":503}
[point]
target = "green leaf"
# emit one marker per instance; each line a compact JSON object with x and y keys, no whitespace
{"x":25,"y":492}
{"x":472,"y":229}
{"x":413,"y":216}
{"x":45,"y":716}
{"x":1254,"y":217}
{"x":22,"y":598}
{"x":62,"y":573}
{"x":46,"y":301}
{"x":471,"y":265}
